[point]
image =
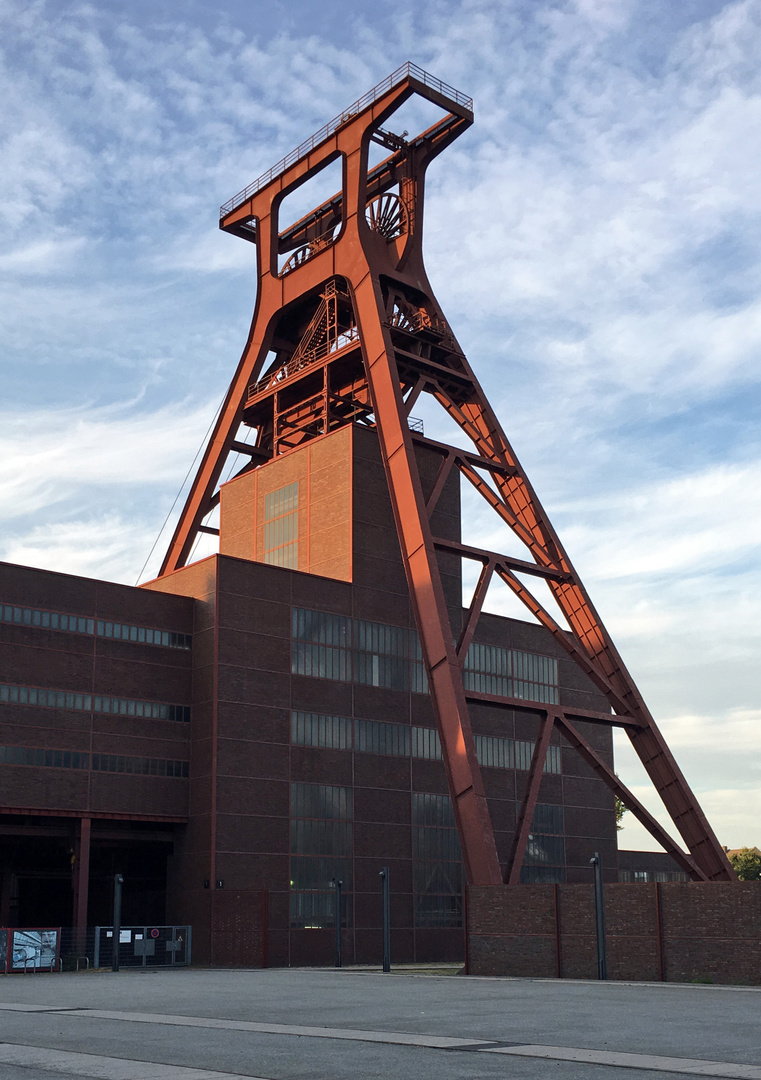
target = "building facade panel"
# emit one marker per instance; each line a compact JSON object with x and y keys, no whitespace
{"x":282,"y":730}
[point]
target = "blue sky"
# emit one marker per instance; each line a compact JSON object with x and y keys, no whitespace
{"x":594,"y":239}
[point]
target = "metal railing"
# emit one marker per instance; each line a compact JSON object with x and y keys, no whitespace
{"x":405,"y":71}
{"x":349,"y":336}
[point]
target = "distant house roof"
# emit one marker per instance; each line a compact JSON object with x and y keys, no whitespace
{"x":739,"y":850}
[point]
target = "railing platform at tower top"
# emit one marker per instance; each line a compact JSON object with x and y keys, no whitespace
{"x":405,"y":71}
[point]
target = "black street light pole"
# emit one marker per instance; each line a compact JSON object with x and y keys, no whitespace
{"x":117,"y":927}
{"x":386,"y":919}
{"x":602,"y":960}
{"x":337,"y":883}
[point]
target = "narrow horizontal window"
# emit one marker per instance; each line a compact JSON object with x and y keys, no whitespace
{"x":75,"y":701}
{"x":83,"y":624}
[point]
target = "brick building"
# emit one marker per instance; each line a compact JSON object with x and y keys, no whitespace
{"x":233,"y":736}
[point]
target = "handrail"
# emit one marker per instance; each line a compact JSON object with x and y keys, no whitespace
{"x":347,"y":337}
{"x":401,"y":73}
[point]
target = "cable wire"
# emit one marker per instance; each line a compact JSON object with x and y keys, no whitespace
{"x":182,"y":485}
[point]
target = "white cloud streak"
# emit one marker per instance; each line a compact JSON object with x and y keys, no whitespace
{"x":595,"y":241}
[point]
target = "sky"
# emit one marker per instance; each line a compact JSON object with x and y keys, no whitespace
{"x":594,"y":240}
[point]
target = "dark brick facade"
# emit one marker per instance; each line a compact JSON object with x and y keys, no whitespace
{"x":221,"y":839}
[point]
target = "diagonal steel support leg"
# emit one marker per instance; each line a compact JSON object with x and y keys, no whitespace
{"x":474,"y":611}
{"x":525,"y":817}
{"x":629,"y":799}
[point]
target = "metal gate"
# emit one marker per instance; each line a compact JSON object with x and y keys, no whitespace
{"x":144,"y":946}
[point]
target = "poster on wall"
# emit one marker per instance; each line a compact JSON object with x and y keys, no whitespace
{"x":33,"y":950}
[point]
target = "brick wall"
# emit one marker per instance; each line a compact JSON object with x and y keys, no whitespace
{"x":672,"y":931}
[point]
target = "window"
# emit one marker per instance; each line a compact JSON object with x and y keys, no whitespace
{"x":381,"y":655}
{"x":72,"y":759}
{"x":418,"y":677}
{"x":327,"y":646}
{"x":490,"y":669}
{"x":544,"y":860}
{"x":327,"y":732}
{"x":81,"y":624}
{"x":494,"y":752}
{"x":426,"y":744}
{"x":281,"y":527}
{"x":374,"y":737}
{"x":524,"y":751}
{"x":321,"y":850}
{"x":137,"y":766}
{"x":321,"y":645}
{"x":80,"y":702}
{"x":399,"y":740}
{"x":41,"y":758}
{"x":437,"y":868}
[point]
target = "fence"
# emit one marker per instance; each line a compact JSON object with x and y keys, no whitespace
{"x":671,"y":931}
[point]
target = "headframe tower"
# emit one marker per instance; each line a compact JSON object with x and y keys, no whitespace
{"x":346,"y":329}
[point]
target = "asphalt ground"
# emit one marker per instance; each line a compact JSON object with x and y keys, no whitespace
{"x":279,"y":1024}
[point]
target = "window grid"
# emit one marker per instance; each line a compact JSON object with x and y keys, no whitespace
{"x":41,"y":757}
{"x":326,"y":732}
{"x":437,"y":876}
{"x":321,"y":850}
{"x":139,"y":766}
{"x":399,"y":740}
{"x":491,"y":669}
{"x":652,"y":875}
{"x":544,"y":860}
{"x":328,"y":646}
{"x":43,"y":698}
{"x":82,"y":624}
{"x":281,"y":527}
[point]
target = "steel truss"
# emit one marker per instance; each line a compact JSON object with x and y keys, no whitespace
{"x":346,"y":329}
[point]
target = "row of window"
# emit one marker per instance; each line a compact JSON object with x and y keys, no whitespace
{"x":139,"y":766}
{"x":652,"y":875}
{"x":327,"y":646}
{"x":398,"y":740}
{"x":97,"y":703}
{"x":490,"y":669}
{"x":74,"y":759}
{"x":322,"y":851}
{"x":81,"y":624}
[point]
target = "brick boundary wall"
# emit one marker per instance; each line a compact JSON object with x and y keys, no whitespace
{"x":239,"y":928}
{"x":671,"y":931}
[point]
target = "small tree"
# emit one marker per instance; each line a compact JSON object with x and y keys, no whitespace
{"x":747,"y":864}
{"x":620,"y":811}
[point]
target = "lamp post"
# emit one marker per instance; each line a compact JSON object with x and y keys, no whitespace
{"x":117,"y":928}
{"x":384,"y":874}
{"x":337,"y":884}
{"x":602,"y":960}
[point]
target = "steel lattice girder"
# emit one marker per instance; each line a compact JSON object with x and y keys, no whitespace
{"x":398,"y":346}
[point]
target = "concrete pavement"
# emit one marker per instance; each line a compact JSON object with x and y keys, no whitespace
{"x":287,"y":1024}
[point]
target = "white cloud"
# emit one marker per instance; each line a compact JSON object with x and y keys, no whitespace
{"x":107,"y":547}
{"x":74,"y":450}
{"x":595,"y":241}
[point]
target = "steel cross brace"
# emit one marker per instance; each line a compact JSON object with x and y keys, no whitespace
{"x":402,"y":357}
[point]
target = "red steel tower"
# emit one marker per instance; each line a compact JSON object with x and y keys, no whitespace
{"x":347,"y":330}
